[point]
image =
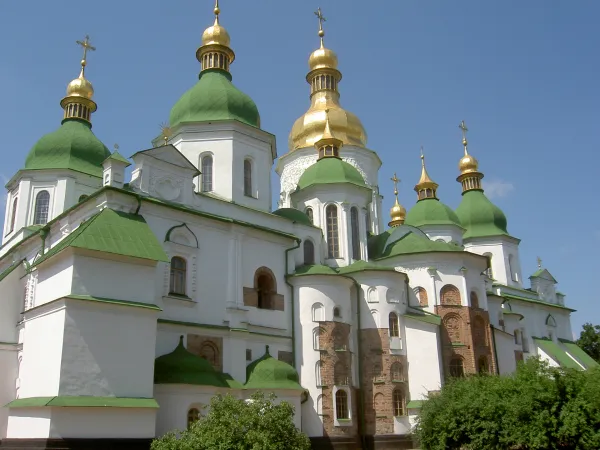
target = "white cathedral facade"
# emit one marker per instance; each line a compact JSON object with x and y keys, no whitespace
{"x":130,"y":297}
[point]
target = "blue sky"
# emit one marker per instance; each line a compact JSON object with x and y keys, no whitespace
{"x":523,"y":75}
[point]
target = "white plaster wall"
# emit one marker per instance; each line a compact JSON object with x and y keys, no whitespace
{"x":505,"y":352}
{"x":102,"y":423}
{"x":234,"y":356}
{"x":27,"y":423}
{"x":446,"y":233}
{"x":8,"y":369}
{"x":42,"y":352}
{"x":500,"y":248}
{"x":108,"y":350}
{"x":11,"y":304}
{"x":120,"y":280}
{"x":545,"y":357}
{"x":422,"y":352}
{"x":54,"y":278}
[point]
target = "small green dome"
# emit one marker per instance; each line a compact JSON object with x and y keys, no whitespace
{"x":430,"y":211}
{"x":329,"y":171}
{"x":270,"y":373}
{"x":293,"y":214}
{"x":183,"y":367}
{"x":479,"y":216}
{"x":73,"y":146}
{"x":214,"y":97}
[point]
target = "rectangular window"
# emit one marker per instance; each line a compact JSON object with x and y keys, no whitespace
{"x":248,"y":354}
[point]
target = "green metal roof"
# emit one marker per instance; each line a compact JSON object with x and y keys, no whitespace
{"x":72,"y":146}
{"x":214,"y":97}
{"x":415,"y":404}
{"x":580,"y":355}
{"x":430,"y":211}
{"x":118,"y":157}
{"x":412,"y":243}
{"x":556,"y":353}
{"x":543,"y":273}
{"x":183,"y":367}
{"x":293,"y":214}
{"x":270,"y":373}
{"x":480,"y":217}
{"x":83,"y":402}
{"x":314,"y":269}
{"x":113,"y":232}
{"x":330,"y":170}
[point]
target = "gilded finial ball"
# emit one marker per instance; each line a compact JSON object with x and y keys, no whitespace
{"x":83,"y":63}
{"x":217,"y":11}
{"x":321,"y":33}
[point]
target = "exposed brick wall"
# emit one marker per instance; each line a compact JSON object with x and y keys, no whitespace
{"x":422,"y":296}
{"x":377,"y":383}
{"x":208,"y":347}
{"x":450,"y":295}
{"x":285,"y":357}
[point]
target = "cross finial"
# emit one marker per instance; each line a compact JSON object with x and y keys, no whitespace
{"x":116,"y":147}
{"x":396,"y":180}
{"x":217,"y":11}
{"x":166,"y":131}
{"x":422,"y":157}
{"x":539,"y":261}
{"x":463,"y":127}
{"x":322,"y":19}
{"x":86,"y":46}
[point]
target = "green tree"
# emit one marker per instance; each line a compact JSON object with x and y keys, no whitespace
{"x":535,"y":408}
{"x":234,"y":424}
{"x":589,"y":340}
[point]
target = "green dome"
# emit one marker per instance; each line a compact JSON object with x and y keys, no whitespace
{"x":293,"y":214}
{"x":479,"y":216}
{"x":183,"y":367}
{"x":270,"y":373}
{"x":214,"y":97}
{"x":73,"y":146}
{"x":431,"y":211}
{"x":329,"y":171}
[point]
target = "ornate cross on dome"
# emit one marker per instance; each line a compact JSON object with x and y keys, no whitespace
{"x":463,"y":127}
{"x":396,"y":180}
{"x":86,"y":46}
{"x":322,"y":19}
{"x":539,"y":261}
{"x":166,"y":132}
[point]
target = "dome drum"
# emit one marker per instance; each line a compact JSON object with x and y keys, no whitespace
{"x":78,"y":107}
{"x":215,"y":56}
{"x":323,"y":79}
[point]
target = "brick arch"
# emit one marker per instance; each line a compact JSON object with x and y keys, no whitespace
{"x":340,"y":374}
{"x":379,"y":404}
{"x":479,"y":332}
{"x":265,"y":278}
{"x":397,"y":372}
{"x":474,"y":300}
{"x":421,"y":294}
{"x":450,"y":296}
{"x":210,"y":352}
{"x":453,"y":324}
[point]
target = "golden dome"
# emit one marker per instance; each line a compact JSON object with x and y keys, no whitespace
{"x":216,"y":35}
{"x":398,"y":212}
{"x":468,"y":164}
{"x":80,"y":86}
{"x":322,"y":58}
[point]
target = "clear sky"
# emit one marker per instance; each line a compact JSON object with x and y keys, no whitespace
{"x":522,"y":74}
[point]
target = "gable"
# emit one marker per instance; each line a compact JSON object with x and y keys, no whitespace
{"x":170,"y":155}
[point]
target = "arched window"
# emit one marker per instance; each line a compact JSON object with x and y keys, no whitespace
{"x":318,"y":312}
{"x":264,"y":283}
{"x":339,"y":338}
{"x":341,"y":405}
{"x":474,"y":300}
{"x":309,"y":252}
{"x":396,"y":372}
{"x":248,"y":178}
{"x":333,"y":244}
{"x":355,"y":235}
{"x":318,"y":378}
{"x":456,"y":367}
{"x":399,"y":403}
{"x":316,"y":338}
{"x":482,"y":365}
{"x":320,"y":405}
{"x":379,"y":404}
{"x":340,"y":374}
{"x":394,"y":325}
{"x":336,"y":312}
{"x":450,"y":296}
{"x":207,"y":174}
{"x":309,"y":213}
{"x":210,"y":352}
{"x":82,"y":197}
{"x":489,"y":271}
{"x":512,"y":268}
{"x":421,"y":294}
{"x":13,"y":215}
{"x":42,"y":207}
{"x":178,"y":276}
{"x":192,"y":416}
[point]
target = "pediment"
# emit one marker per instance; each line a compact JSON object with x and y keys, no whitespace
{"x":170,"y":155}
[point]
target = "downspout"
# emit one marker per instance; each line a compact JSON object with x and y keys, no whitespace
{"x":138,"y":197}
{"x":44,"y":234}
{"x":495,"y":349}
{"x":298,"y":242}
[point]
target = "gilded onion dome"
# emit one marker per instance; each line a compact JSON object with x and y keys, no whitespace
{"x":78,"y":102}
{"x":323,"y":78}
{"x":397,"y":212}
{"x":469,"y":177}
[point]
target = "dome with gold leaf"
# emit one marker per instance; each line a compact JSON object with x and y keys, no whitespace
{"x":468,"y":164}
{"x":80,"y":87}
{"x":216,"y":34}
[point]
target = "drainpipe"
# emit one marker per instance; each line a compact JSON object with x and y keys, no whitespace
{"x":138,"y":197}
{"x":44,"y":234}
{"x":298,"y":242}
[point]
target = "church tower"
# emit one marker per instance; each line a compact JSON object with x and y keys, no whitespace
{"x":485,"y":224}
{"x":217,"y":128}
{"x":324,"y":78}
{"x":62,"y":167}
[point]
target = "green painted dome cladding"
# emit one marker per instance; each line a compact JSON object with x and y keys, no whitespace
{"x":431,"y":211}
{"x":270,"y":373}
{"x":214,"y":97}
{"x":479,"y":216}
{"x":73,"y":146}
{"x":330,"y":171}
{"x":295,"y":215}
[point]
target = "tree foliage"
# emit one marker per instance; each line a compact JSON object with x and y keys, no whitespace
{"x":589,"y":340}
{"x":235,"y":424}
{"x":535,"y":408}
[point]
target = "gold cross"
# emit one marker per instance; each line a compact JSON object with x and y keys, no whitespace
{"x":422,"y":155}
{"x":396,"y":180}
{"x":322,"y":19}
{"x":167,"y":132}
{"x":86,"y":46}
{"x":464,"y":129}
{"x":116,"y":147}
{"x":539,"y":261}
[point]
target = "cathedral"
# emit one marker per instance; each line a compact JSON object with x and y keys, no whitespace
{"x":134,"y":289}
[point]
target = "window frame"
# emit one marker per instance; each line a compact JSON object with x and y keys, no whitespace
{"x":193,"y":416}
{"x":355,"y":233}
{"x":248,"y":177}
{"x":342,"y":405}
{"x":332,"y":231}
{"x":308,"y":247}
{"x":399,"y":402}
{"x":38,"y":214}
{"x":453,"y":365}
{"x":394,"y":324}
{"x":183,"y":271}
{"x":207,"y":176}
{"x":13,"y":214}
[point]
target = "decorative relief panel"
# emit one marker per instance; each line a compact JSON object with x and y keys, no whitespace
{"x":167,"y":188}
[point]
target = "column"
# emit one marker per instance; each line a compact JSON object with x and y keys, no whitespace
{"x":362,"y":227}
{"x":345,"y":235}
